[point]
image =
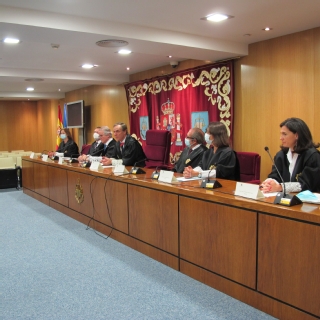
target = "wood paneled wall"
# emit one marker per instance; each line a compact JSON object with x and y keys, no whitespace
{"x":280,"y":78}
{"x":277,"y":80}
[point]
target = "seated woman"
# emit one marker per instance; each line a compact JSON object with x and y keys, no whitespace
{"x":68,"y":147}
{"x":298,"y":161}
{"x":220,"y":160}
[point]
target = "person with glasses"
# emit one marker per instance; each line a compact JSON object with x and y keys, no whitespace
{"x":192,"y":153}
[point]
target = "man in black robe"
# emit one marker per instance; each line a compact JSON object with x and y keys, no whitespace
{"x":192,"y":153}
{"x":126,"y":148}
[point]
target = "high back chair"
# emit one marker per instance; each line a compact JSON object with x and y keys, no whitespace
{"x":157,"y":149}
{"x":249,"y":163}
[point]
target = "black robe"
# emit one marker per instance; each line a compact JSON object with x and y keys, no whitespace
{"x":96,"y":150}
{"x":191,"y":159}
{"x":109,"y":151}
{"x":224,"y":161}
{"x":132,"y":152}
{"x":69,"y":149}
{"x":306,"y":170}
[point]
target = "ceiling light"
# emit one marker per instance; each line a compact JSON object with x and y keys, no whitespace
{"x":169,"y":56}
{"x":267,"y":29}
{"x":11,"y":40}
{"x":30,"y":89}
{"x":124,"y":51}
{"x":217,"y":17}
{"x":88,"y":65}
{"x":128,"y":68}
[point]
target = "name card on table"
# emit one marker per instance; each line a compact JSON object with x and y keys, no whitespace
{"x":60,"y":160}
{"x":32,"y":155}
{"x":248,"y":190}
{"x":120,"y":169}
{"x":44,"y":157}
{"x":167,"y":176}
{"x":116,"y":162}
{"x":95,"y":165}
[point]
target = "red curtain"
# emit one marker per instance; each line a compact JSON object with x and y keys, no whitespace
{"x":181,"y":101}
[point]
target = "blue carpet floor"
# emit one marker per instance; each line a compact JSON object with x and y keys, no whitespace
{"x":53,"y":268}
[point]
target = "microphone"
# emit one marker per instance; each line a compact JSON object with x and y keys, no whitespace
{"x":138,"y":170}
{"x":155,"y":174}
{"x":282,"y":197}
{"x":210,"y":184}
{"x":74,"y":160}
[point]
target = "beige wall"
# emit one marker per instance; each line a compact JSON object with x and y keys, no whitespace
{"x":280,"y":78}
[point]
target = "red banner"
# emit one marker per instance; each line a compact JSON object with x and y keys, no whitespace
{"x":181,"y":101}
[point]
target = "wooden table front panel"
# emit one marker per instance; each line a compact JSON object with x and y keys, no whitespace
{"x":153,"y":217}
{"x":289,"y":262}
{"x":111,"y":203}
{"x":219,"y":238}
{"x":28,"y":174}
{"x":58,"y":185}
{"x":41,"y":184}
{"x":81,"y":181}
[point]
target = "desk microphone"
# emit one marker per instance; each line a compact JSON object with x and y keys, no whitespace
{"x":138,"y":170}
{"x":210,"y":184}
{"x":155,"y":174}
{"x":74,"y":160}
{"x":282,"y":197}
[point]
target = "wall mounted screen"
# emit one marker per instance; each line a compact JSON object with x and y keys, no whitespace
{"x":75,"y":114}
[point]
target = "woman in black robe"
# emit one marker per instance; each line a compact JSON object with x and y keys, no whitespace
{"x":298,"y":161}
{"x":219,"y":161}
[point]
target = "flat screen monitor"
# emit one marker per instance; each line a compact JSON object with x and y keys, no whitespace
{"x":75,"y":114}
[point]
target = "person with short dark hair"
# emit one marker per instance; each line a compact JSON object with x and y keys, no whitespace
{"x":192,"y":153}
{"x":67,"y":146}
{"x":298,"y":161}
{"x":220,"y":160}
{"x":126,"y":148}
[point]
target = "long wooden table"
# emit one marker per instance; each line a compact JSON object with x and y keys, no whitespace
{"x":265,"y":255}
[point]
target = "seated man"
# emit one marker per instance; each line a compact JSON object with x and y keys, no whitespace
{"x":106,"y":146}
{"x":192,"y":153}
{"x":126,"y":148}
{"x":96,"y":146}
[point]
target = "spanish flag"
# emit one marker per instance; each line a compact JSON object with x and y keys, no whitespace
{"x":59,"y":127}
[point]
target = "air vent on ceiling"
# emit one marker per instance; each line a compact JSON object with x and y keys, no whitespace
{"x":33,"y":79}
{"x":111,"y":43}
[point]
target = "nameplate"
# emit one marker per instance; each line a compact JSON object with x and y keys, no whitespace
{"x":60,"y":160}
{"x":32,"y":155}
{"x":248,"y":190}
{"x":95,"y":165}
{"x":120,"y":169}
{"x":116,"y":162}
{"x":59,"y":154}
{"x":44,"y":157}
{"x":167,"y":176}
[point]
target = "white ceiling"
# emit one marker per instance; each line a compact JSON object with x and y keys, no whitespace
{"x":154,"y":30}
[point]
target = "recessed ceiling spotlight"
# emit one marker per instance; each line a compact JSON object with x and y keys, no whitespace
{"x":217,"y":17}
{"x":267,"y":29}
{"x":59,"y":89}
{"x":11,"y":40}
{"x":169,"y":56}
{"x":30,"y":89}
{"x":89,"y":65}
{"x":124,"y":51}
{"x":128,"y":68}
{"x":247,"y":35}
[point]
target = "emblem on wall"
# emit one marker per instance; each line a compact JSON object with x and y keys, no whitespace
{"x":144,"y":126}
{"x":171,"y":122}
{"x":200,"y":120}
{"x":79,"y":192}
